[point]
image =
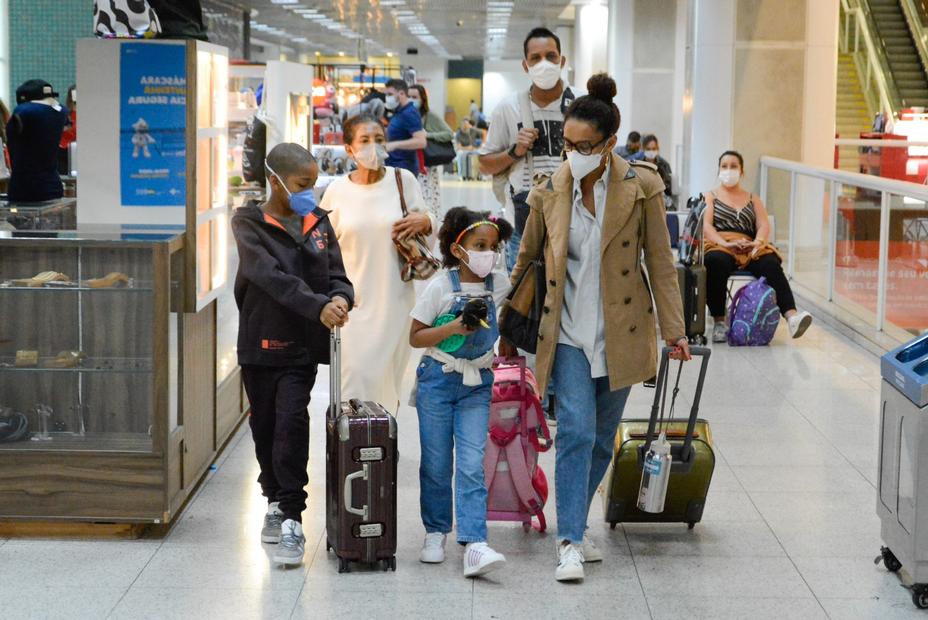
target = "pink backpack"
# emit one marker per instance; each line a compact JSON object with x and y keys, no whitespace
{"x":517,"y":488}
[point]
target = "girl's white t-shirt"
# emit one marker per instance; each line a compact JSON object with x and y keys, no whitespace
{"x":438,"y":296}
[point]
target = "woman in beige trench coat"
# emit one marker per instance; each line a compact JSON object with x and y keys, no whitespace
{"x":592,"y":220}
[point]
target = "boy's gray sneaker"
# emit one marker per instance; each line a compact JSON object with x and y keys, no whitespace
{"x":292,"y":544}
{"x":720,"y":332}
{"x":270,"y":533}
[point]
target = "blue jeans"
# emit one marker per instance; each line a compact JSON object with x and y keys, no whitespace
{"x":588,"y":415}
{"x":520,"y":217}
{"x":453,"y":422}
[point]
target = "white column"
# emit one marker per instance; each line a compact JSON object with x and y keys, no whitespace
{"x":620,"y":52}
{"x":707,"y":101}
{"x":591,"y":30}
{"x":818,"y":120}
{"x":566,"y":35}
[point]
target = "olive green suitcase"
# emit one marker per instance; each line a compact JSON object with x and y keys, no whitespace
{"x":691,"y":468}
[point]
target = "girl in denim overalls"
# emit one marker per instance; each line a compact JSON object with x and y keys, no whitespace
{"x":455,"y":386}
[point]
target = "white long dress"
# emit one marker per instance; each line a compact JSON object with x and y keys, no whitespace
{"x":375,"y":343}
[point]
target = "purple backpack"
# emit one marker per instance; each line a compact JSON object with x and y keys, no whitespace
{"x":753,"y":316}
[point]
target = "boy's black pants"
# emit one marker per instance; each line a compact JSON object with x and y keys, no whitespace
{"x":279,"y":424}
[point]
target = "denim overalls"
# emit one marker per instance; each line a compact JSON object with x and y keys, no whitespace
{"x":455,"y":416}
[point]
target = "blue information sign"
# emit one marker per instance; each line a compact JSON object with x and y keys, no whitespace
{"x":152,"y":123}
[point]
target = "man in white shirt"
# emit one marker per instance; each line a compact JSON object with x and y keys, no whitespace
{"x":523,"y":153}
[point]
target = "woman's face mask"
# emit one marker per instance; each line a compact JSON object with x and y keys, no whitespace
{"x":371,"y":156}
{"x":651,"y":154}
{"x":729,"y":177}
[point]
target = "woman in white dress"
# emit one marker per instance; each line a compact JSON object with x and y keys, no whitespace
{"x":366,"y":214}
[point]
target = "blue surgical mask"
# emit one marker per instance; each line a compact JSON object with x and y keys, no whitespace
{"x":302,"y":203}
{"x":416,"y":103}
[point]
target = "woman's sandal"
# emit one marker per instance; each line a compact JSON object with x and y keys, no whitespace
{"x":110,"y":280}
{"x":41,"y":279}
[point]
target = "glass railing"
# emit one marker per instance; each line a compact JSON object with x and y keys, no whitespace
{"x":855,"y":244}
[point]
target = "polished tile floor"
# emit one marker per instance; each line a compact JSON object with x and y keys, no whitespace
{"x":790,"y":529}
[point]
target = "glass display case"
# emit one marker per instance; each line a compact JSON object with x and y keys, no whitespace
{"x":84,"y":340}
{"x":58,"y":214}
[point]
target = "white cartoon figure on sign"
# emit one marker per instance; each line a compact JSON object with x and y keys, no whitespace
{"x":141,"y":139}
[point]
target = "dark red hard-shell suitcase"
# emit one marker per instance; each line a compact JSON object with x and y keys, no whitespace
{"x":361,"y":458}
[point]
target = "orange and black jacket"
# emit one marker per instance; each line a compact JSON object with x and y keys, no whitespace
{"x":282,"y":286}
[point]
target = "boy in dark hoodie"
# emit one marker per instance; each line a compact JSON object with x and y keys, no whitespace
{"x":291,"y":290}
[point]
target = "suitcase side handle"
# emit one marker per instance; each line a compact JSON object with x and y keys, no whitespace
{"x":349,"y":504}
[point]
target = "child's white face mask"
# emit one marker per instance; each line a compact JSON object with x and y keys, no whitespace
{"x":481,"y":263}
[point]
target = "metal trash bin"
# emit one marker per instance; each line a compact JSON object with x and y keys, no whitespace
{"x":902,"y":497}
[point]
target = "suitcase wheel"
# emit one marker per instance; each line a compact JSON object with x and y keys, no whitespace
{"x":690,"y":525}
{"x":612,"y":525}
{"x":920,"y":595}
{"x":328,"y":547}
{"x":526,"y":526}
{"x":343,"y":566}
{"x":393,"y":564}
{"x":890,"y":561}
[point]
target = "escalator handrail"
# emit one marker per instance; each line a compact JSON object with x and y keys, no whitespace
{"x":915,"y":21}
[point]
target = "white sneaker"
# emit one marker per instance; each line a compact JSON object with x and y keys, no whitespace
{"x":292,"y":543}
{"x":480,"y":559}
{"x":433,"y":549}
{"x":799,"y":323}
{"x":569,"y":562}
{"x":591,"y":552}
{"x":270,"y":531}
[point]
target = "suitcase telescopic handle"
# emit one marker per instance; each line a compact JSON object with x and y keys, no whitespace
{"x":349,"y":504}
{"x":335,"y":371}
{"x":661,"y":391}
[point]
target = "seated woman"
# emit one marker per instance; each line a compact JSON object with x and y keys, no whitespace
{"x":736,"y":227}
{"x":651,"y":153}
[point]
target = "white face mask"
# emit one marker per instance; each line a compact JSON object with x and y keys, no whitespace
{"x":729,"y":177}
{"x":392,"y":102}
{"x":651,"y":154}
{"x":582,"y":165}
{"x":545,"y":74}
{"x":481,"y":263}
{"x":371,"y":156}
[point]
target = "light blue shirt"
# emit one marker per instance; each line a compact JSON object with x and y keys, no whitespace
{"x":582,"y":322}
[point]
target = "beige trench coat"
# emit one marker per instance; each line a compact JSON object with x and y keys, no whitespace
{"x":634,"y":221}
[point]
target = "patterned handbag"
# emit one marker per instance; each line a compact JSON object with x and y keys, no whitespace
{"x":416,"y":259}
{"x":125,"y":19}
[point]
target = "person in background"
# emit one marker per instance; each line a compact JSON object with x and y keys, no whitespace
{"x":405,"y":134}
{"x":736,"y":230}
{"x":365,"y":210}
{"x":34,"y":134}
{"x":437,"y":130}
{"x":591,"y":221}
{"x":467,"y":139}
{"x":4,"y":154}
{"x":632,"y":145}
{"x":290,"y":289}
{"x":508,"y":142}
{"x":474,"y":112}
{"x":69,"y":135}
{"x":455,"y":386}
{"x":651,"y":153}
